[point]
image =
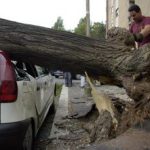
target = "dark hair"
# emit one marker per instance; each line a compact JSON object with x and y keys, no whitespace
{"x":135,"y":8}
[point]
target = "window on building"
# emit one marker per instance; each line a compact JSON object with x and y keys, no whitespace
{"x":131,"y":2}
{"x":117,"y":12}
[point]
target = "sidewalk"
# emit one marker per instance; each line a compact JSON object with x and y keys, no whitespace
{"x":61,"y":113}
{"x":68,"y":133}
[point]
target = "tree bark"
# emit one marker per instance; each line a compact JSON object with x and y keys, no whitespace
{"x":68,"y":51}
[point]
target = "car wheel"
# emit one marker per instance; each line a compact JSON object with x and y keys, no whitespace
{"x":28,"y":140}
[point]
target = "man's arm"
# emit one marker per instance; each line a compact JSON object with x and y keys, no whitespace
{"x":146,"y":31}
{"x":138,"y":37}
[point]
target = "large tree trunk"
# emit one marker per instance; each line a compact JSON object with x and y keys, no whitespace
{"x":68,"y":51}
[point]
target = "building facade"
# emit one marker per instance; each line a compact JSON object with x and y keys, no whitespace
{"x":117,"y":12}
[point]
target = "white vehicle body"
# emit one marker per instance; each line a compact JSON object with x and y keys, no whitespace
{"x":21,"y":118}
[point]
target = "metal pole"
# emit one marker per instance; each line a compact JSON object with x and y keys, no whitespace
{"x":107,"y":14}
{"x":88,"y":18}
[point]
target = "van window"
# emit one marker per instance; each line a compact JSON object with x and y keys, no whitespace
{"x":41,"y":70}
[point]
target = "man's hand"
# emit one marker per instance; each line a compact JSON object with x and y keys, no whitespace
{"x":132,"y":38}
{"x":129,"y":40}
{"x":138,"y":37}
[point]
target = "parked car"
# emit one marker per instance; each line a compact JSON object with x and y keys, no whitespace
{"x":58,"y":74}
{"x":26,"y":94}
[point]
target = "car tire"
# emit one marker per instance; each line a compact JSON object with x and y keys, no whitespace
{"x":28,"y":140}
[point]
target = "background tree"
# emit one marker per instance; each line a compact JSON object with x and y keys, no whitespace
{"x":98,"y":30}
{"x":81,"y":27}
{"x":58,"y":25}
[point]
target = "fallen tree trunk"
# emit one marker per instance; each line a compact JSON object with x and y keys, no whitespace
{"x":68,"y":51}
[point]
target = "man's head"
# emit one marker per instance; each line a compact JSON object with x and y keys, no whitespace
{"x":135,"y":13}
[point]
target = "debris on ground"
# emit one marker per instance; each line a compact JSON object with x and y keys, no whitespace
{"x":93,"y":129}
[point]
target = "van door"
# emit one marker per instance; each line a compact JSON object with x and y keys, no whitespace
{"x":44,"y":83}
{"x":30,"y":69}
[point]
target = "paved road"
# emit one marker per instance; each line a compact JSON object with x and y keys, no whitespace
{"x":42,"y":139}
{"x":76,"y":137}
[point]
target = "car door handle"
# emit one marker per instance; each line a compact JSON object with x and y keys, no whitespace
{"x":24,"y":83}
{"x":38,"y":88}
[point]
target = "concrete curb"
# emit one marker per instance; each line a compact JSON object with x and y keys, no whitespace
{"x":61,"y":113}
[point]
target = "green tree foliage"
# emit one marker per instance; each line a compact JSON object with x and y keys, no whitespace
{"x":81,"y":27}
{"x":98,"y":30}
{"x":58,"y":25}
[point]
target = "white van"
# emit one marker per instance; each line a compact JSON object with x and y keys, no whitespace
{"x":26,"y":94}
